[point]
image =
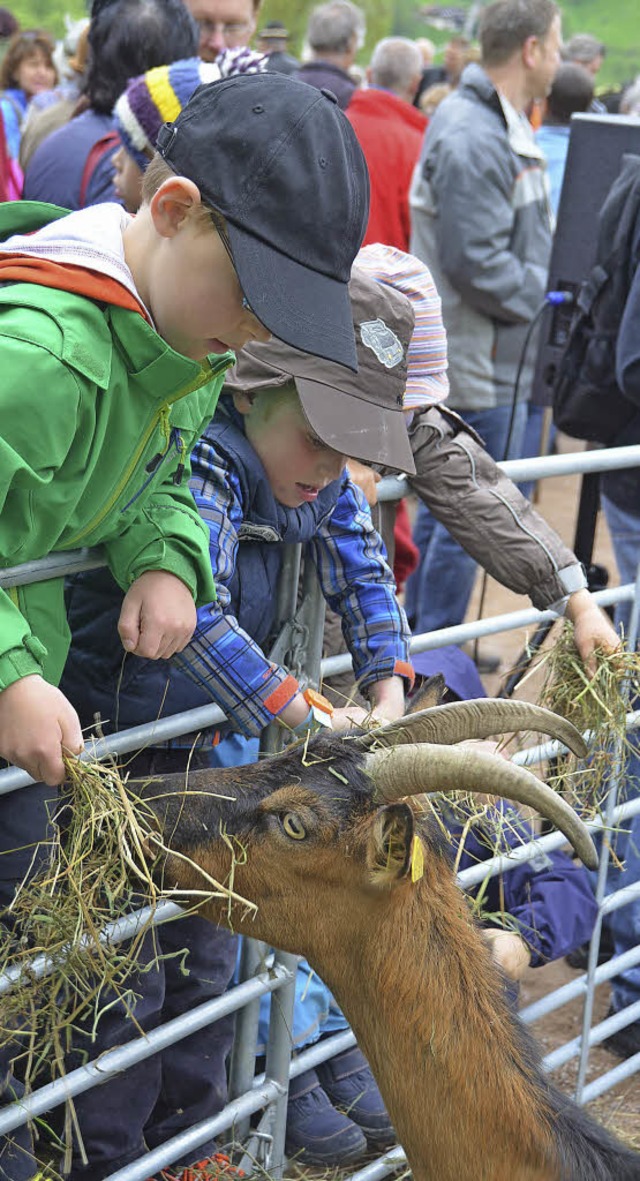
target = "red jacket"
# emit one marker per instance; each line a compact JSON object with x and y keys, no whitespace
{"x":390,"y":132}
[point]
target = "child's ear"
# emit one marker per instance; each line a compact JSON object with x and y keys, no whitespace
{"x":243,"y":401}
{"x":171,"y":205}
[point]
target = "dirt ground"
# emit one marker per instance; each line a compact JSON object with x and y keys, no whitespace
{"x":618,"y":1108}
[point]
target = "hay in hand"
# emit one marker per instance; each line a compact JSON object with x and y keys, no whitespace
{"x":94,"y":873}
{"x":597,"y":706}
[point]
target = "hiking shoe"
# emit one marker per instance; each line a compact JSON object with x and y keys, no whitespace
{"x":625,"y":1042}
{"x":351,"y":1087}
{"x":214,"y":1168}
{"x":316,"y":1133}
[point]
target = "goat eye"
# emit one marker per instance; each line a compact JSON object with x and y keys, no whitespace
{"x":293,"y":826}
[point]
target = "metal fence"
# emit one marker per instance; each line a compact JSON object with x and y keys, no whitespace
{"x":264,"y":972}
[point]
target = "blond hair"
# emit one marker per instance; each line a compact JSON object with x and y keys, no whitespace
{"x":204,"y":215}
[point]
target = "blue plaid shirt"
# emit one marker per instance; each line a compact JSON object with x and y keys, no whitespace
{"x":356,"y":581}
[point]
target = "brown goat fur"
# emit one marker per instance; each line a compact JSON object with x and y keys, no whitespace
{"x":330,"y":872}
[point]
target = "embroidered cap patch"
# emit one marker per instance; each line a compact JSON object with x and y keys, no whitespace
{"x":384,"y":343}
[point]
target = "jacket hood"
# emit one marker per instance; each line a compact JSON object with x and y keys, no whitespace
{"x":91,"y":238}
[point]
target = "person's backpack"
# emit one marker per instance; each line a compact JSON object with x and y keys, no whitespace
{"x":587,"y":401}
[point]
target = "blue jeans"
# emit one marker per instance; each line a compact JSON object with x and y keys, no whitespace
{"x":532,"y":441}
{"x":315,"y":1011}
{"x":438,"y":592}
{"x":624,"y":528}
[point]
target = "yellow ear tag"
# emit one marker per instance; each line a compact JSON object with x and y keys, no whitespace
{"x":417,"y":859}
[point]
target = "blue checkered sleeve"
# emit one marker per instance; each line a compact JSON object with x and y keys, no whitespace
{"x":221,"y":657}
{"x":359,"y":586}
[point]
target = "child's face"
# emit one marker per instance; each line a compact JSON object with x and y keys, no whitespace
{"x":187,"y":279}
{"x":127,"y":180}
{"x":298,"y":464}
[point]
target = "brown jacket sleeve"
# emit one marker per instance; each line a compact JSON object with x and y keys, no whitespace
{"x":486,"y":513}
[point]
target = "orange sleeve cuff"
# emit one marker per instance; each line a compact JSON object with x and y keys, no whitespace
{"x":402,"y":668}
{"x":282,"y":695}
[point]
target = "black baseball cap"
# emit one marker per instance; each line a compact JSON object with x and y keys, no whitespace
{"x":281,"y":162}
{"x":359,"y":415}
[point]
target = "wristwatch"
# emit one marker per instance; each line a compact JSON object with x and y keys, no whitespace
{"x":319,"y":716}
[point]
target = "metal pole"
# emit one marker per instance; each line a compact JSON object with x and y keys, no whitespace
{"x":619,"y":762}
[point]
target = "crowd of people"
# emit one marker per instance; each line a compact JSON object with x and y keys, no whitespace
{"x":240,"y":287}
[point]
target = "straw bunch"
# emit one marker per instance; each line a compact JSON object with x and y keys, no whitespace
{"x":93,"y":873}
{"x":597,"y":705}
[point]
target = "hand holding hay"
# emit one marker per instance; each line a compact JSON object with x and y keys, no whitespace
{"x":597,"y":703}
{"x":592,"y":629}
{"x":96,"y":870}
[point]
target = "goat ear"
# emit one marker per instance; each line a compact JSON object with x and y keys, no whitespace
{"x":429,"y":694}
{"x":390,"y":844}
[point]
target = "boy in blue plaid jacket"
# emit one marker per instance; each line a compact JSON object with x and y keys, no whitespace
{"x":269,"y":470}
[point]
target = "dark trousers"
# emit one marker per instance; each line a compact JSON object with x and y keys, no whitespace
{"x":23,"y":824}
{"x":186,"y":1083}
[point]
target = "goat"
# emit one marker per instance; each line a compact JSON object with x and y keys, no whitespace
{"x":345,"y":873}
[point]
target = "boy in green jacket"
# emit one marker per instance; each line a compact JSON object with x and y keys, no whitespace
{"x":115,"y":335}
{"x":107,"y":324}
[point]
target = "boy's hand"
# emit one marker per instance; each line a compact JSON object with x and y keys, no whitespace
{"x":38,"y":725}
{"x":158,"y":616}
{"x":387,"y":705}
{"x":366,"y":479}
{"x":591,"y":628}
{"x":509,"y":950}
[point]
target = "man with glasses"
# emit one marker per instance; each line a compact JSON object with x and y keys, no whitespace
{"x":223,"y":24}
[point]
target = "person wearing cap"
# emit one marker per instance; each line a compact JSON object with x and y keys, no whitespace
{"x":116,"y":336}
{"x":269,"y":470}
{"x":273,"y":41}
{"x":71,"y":167}
{"x":151,"y":99}
{"x":462,"y":486}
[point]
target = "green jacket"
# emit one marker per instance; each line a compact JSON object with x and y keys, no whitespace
{"x":97,"y":413}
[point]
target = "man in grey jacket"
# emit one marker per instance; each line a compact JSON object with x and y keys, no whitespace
{"x":481,"y":221}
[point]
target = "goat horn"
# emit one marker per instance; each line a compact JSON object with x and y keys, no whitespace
{"x":480,"y":718}
{"x":424,"y":769}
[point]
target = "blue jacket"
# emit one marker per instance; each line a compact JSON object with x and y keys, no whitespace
{"x":548,"y":901}
{"x":224,"y":661}
{"x":55,"y":171}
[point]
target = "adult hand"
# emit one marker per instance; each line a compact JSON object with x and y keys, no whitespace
{"x":158,"y":616}
{"x":37,"y":726}
{"x":509,"y":951}
{"x":591,"y":628}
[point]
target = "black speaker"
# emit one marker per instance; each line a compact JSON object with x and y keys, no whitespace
{"x":596,"y":146}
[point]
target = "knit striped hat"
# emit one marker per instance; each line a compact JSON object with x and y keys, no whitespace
{"x":158,"y":96}
{"x":427,"y":380}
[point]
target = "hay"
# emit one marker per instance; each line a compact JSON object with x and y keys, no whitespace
{"x":95,"y":871}
{"x":597,"y":705}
